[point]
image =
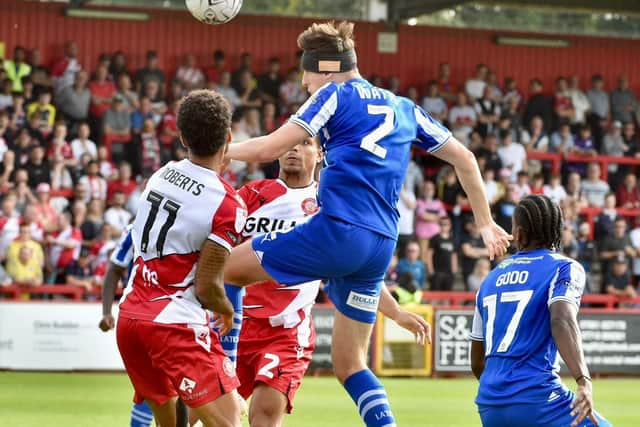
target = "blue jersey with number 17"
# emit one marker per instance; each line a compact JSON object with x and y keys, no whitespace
{"x":366,"y":133}
{"x":512,"y":318}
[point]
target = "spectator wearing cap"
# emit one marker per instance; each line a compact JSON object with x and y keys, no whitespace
{"x":117,"y":120}
{"x":74,"y":100}
{"x":42,"y":113}
{"x":623,"y":101}
{"x":78,"y":272}
{"x":616,"y":244}
{"x":44,"y":213}
{"x":150,"y":72}
{"x":17,"y":68}
{"x":618,"y":281}
{"x":82,"y":144}
{"x":96,"y":184}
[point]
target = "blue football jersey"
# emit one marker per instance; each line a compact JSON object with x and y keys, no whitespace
{"x":512,"y":318}
{"x":366,"y":133}
{"x":122,"y":255}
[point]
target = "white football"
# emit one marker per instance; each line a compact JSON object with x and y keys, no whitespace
{"x":214,"y":12}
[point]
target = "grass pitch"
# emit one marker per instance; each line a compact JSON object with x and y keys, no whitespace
{"x":103,"y":400}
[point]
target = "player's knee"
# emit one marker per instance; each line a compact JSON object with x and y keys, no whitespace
{"x":344,"y":366}
{"x":265,"y":416}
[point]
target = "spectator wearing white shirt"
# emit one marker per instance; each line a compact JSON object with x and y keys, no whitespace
{"x":634,"y":236}
{"x":491,"y":186}
{"x":189,"y":75}
{"x":82,"y":144}
{"x":512,"y":154}
{"x":96,"y":184}
{"x":433,"y":103}
{"x":462,"y":119}
{"x":555,"y":191}
{"x":117,"y":216}
{"x":406,"y":227}
{"x":594,"y":188}
{"x":475,"y":86}
{"x":581,"y":104}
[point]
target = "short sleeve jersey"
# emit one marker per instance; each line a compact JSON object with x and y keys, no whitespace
{"x":273,"y":206}
{"x":366,"y":133}
{"x":512,"y":318}
{"x":183,"y":205}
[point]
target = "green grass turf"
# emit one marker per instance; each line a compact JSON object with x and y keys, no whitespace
{"x":103,"y":400}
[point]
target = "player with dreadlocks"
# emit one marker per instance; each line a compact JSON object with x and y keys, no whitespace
{"x":526,"y":312}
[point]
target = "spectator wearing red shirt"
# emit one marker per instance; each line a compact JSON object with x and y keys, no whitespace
{"x":168,"y":129}
{"x":59,"y":147}
{"x":219,"y":66}
{"x":64,"y":245}
{"x":627,"y":193}
{"x":64,"y":69}
{"x":124,"y":183}
{"x":96,"y":184}
{"x":45,"y":214}
{"x":102,"y":92}
{"x":562,"y":104}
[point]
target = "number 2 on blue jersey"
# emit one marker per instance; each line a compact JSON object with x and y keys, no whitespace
{"x":490,"y":302}
{"x":370,"y":141}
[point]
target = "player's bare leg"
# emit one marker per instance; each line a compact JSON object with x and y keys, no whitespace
{"x":243,"y":266}
{"x":268,"y":407}
{"x":349,"y":346}
{"x":164,"y":414}
{"x":222,"y":412}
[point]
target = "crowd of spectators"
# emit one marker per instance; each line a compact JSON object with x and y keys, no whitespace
{"x":77,"y":145}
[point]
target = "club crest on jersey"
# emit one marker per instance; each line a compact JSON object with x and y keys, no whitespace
{"x":228,"y":368}
{"x":202,"y":336}
{"x":309,"y":206}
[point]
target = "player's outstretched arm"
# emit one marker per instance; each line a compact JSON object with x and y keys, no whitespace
{"x":566,"y":334}
{"x":269,"y":147}
{"x":209,"y":284}
{"x":464,"y":162}
{"x":412,"y":322}
{"x":111,"y":279}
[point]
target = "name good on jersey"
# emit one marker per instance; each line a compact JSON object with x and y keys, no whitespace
{"x":366,"y":132}
{"x":272,"y":206}
{"x":512,"y":318}
{"x":182,"y":205}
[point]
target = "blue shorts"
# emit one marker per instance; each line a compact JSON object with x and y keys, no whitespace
{"x":556,"y":413}
{"x":352,"y":259}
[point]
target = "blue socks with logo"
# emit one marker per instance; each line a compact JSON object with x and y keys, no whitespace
{"x":370,"y":397}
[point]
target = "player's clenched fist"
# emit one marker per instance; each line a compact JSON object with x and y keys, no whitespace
{"x":107,"y":323}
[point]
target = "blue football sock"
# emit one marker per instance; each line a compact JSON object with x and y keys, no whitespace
{"x":371,"y":399}
{"x":230,"y":341}
{"x":141,"y":415}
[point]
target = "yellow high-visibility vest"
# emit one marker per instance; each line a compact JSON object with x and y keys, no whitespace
{"x":16,"y":73}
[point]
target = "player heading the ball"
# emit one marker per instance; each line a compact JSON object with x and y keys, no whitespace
{"x":367,"y":134}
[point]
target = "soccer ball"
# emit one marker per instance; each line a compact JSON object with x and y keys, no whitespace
{"x":214,"y":12}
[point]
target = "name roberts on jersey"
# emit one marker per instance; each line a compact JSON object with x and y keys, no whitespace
{"x":182,"y":181}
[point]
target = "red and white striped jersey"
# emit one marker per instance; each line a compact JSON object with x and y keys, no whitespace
{"x":182,"y":206}
{"x":272,"y":207}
